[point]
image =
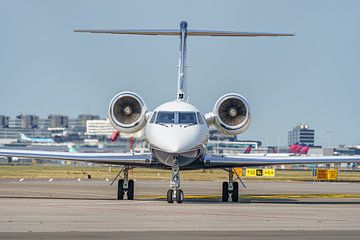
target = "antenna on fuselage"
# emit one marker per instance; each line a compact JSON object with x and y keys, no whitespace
{"x":183,"y":33}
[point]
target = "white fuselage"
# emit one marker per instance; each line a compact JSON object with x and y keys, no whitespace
{"x":173,"y":132}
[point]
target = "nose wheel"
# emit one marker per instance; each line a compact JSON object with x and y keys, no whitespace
{"x":175,"y":193}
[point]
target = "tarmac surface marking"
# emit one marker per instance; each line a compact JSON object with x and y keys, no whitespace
{"x":88,"y":209}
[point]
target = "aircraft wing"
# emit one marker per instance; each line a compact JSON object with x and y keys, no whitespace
{"x":246,"y":160}
{"x":105,"y":158}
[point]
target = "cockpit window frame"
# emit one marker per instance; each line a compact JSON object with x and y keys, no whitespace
{"x":197,"y":119}
{"x":200,"y":118}
{"x":187,"y":112}
{"x":153,"y":117}
{"x":162,"y":112}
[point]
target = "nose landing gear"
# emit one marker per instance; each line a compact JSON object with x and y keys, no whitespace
{"x":175,"y":193}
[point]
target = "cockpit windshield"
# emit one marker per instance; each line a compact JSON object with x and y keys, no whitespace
{"x":176,"y":118}
{"x":165,"y":117}
{"x":187,"y":118}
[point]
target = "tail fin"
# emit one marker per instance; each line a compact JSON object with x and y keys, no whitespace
{"x":23,"y":137}
{"x":183,"y":32}
{"x":248,"y":150}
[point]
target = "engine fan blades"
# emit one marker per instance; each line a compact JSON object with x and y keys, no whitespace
{"x":232,"y":112}
{"x":127,"y":110}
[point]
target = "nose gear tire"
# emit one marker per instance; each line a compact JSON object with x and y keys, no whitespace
{"x":179,"y":196}
{"x":169,"y":196}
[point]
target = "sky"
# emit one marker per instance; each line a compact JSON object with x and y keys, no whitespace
{"x":312,"y":78}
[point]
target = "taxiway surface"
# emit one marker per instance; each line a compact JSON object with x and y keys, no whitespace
{"x":72,"y":209}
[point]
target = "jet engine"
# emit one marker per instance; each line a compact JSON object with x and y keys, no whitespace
{"x":231,"y":114}
{"x":127,"y":112}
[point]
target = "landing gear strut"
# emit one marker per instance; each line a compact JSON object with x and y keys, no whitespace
{"x":125,"y":186}
{"x":230,"y":189}
{"x":175,"y":193}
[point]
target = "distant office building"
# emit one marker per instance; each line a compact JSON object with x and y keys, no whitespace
{"x":55,"y":125}
{"x":79,"y":124}
{"x":301,"y":134}
{"x":99,"y":128}
{"x":58,"y":121}
{"x":4,"y":121}
{"x":25,"y":122}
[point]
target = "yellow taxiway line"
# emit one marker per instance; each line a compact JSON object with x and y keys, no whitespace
{"x":259,"y":196}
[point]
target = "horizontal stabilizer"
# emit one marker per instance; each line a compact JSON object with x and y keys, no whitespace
{"x":175,"y":32}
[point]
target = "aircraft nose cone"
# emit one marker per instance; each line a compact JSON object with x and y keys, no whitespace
{"x":176,"y":146}
{"x":178,"y":143}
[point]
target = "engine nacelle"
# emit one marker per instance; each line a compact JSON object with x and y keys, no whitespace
{"x":127,"y":112}
{"x":231,"y":114}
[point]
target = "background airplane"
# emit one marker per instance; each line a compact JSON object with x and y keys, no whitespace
{"x":24,"y":138}
{"x":176,"y":132}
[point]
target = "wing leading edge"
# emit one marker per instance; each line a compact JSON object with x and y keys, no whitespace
{"x":223,"y":161}
{"x":105,"y":158}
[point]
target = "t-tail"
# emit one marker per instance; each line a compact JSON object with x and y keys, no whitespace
{"x":24,"y":138}
{"x":184,"y":32}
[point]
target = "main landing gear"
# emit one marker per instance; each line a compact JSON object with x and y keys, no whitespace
{"x":231,"y":189}
{"x":125,"y":186}
{"x":175,"y":193}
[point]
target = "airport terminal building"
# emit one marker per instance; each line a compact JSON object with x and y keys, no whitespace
{"x":33,"y":126}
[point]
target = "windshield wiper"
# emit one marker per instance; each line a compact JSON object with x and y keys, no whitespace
{"x":190,"y":124}
{"x":162,"y":124}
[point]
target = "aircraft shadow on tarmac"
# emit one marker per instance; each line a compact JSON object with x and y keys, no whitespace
{"x":206,"y":200}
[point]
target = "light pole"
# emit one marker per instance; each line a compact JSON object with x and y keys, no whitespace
{"x":328,"y":132}
{"x":278,"y":143}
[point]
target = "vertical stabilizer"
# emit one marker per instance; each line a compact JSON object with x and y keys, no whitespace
{"x":181,"y":90}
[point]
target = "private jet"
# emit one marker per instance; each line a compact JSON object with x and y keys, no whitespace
{"x":177,"y":132}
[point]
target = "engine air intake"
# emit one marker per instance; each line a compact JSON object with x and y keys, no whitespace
{"x":127,"y":112}
{"x":232,"y":114}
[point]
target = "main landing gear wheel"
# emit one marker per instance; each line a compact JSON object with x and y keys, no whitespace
{"x":235,"y":193}
{"x":130,"y":192}
{"x":125,"y":186}
{"x":120,"y":189}
{"x":225,"y":192}
{"x":170,"y":194}
{"x":230,"y":188}
{"x":179,"y":196}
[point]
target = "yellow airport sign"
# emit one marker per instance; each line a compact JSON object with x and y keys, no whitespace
{"x":326,"y":174}
{"x":239,"y":171}
{"x":269,"y":172}
{"x":259,"y":172}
